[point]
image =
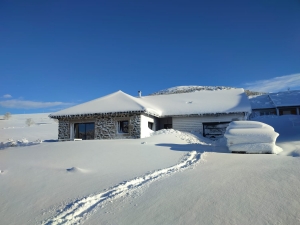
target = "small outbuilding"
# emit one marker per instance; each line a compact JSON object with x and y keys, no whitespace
{"x":120,"y":115}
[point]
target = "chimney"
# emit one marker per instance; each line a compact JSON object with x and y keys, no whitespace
{"x":140,"y":94}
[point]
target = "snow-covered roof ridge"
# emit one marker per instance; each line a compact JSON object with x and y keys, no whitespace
{"x":193,"y":103}
{"x":201,"y":102}
{"x":189,"y":88}
{"x":117,"y":102}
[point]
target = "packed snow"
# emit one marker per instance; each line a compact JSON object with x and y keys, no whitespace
{"x":171,"y":177}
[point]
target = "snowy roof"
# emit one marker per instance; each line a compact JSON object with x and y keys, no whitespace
{"x":287,"y":98}
{"x":112,"y":103}
{"x":201,"y":102}
{"x":261,"y":102}
{"x":273,"y":100}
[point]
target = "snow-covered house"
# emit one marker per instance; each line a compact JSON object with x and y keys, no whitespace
{"x":281,"y":103}
{"x":120,"y":115}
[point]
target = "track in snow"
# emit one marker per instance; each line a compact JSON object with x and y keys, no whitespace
{"x":79,"y":210}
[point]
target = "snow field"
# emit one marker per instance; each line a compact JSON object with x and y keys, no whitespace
{"x":81,"y":209}
{"x":15,"y":128}
{"x":108,"y":182}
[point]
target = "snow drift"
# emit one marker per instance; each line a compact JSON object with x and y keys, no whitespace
{"x":251,"y":137}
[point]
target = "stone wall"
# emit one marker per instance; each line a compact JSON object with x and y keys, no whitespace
{"x":105,"y":126}
{"x":63,"y":129}
{"x":135,"y":126}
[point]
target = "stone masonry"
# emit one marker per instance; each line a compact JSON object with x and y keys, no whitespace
{"x":63,"y":130}
{"x":105,"y":126}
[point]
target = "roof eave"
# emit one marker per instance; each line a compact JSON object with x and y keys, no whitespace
{"x":95,"y":114}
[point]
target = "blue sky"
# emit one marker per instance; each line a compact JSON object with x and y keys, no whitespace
{"x":57,"y":53}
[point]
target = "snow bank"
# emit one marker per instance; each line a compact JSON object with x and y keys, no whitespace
{"x":189,"y":137}
{"x":18,"y":143}
{"x":251,"y":137}
{"x":289,"y":128}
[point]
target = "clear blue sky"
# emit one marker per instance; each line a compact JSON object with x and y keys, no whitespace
{"x":74,"y":51}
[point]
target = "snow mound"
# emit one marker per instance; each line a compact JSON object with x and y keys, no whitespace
{"x":189,"y":137}
{"x":251,"y":137}
{"x":190,"y":88}
{"x":18,"y":143}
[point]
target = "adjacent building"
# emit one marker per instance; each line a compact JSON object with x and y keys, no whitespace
{"x":281,"y":103}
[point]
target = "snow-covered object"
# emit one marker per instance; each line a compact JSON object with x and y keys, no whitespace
{"x":256,"y":148}
{"x":254,"y":135}
{"x":246,"y":124}
{"x":195,"y":103}
{"x":251,"y":137}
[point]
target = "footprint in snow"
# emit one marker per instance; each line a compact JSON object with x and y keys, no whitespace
{"x":76,"y":169}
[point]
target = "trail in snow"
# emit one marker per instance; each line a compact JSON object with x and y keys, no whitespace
{"x":81,"y":209}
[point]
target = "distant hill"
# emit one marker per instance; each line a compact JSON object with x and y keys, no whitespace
{"x":187,"y":89}
{"x":254,"y":93}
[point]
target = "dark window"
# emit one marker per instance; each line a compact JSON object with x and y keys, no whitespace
{"x":85,"y":131}
{"x":213,"y":130}
{"x":269,"y":112}
{"x":168,"y":126}
{"x":288,"y":111}
{"x":150,"y":125}
{"x":123,"y":126}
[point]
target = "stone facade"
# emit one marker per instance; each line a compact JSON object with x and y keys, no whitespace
{"x":135,"y":126}
{"x":105,"y":125}
{"x":63,"y":130}
{"x":105,"y":128}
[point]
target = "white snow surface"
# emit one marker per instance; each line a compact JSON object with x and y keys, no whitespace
{"x":201,"y":102}
{"x":169,"y":178}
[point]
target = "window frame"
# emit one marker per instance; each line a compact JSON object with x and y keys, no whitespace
{"x":121,"y":123}
{"x":76,"y":130}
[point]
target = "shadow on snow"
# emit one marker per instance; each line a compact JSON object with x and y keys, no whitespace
{"x":195,"y":147}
